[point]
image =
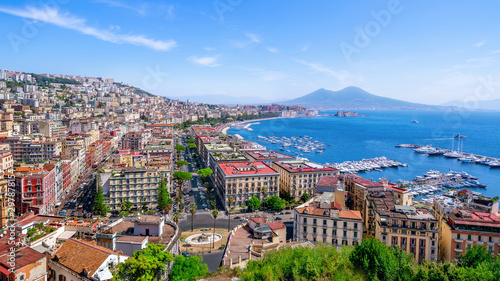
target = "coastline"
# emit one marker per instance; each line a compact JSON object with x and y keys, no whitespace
{"x":227,"y":126}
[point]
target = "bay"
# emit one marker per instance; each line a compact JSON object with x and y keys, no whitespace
{"x":357,"y":138}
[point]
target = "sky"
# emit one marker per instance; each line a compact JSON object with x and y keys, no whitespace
{"x":420,"y":51}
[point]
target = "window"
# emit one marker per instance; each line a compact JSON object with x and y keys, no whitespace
{"x":314,"y":230}
{"x":479,"y":239}
{"x":324,"y":222}
{"x":469,"y":237}
{"x":490,"y":249}
{"x":324,"y":231}
{"x":458,"y":236}
{"x":304,"y":229}
{"x":315,"y":221}
{"x":334,"y":232}
{"x":345,"y":224}
{"x":355,"y":225}
{"x":355,"y":234}
{"x":490,"y":239}
{"x":344,"y":242}
{"x":334,"y":242}
{"x":334,"y":223}
{"x":345,"y":234}
{"x":394,"y":240}
{"x":305,"y":220}
{"x":457,"y":255}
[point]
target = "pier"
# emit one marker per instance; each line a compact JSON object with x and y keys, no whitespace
{"x":366,"y":165}
{"x":464,"y":157}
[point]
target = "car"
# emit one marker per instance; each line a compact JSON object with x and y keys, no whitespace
{"x":243,"y":219}
{"x":185,"y":254}
{"x":237,"y":218}
{"x":288,"y":213}
{"x":278,"y":218}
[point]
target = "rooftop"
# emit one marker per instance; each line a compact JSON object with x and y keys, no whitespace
{"x":245,"y":168}
{"x":301,"y":166}
{"x":268,"y":155}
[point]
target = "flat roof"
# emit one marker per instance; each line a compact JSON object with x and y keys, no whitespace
{"x":245,"y":168}
{"x":301,"y":166}
{"x":268,"y":155}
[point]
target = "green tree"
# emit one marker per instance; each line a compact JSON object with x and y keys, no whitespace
{"x":188,"y":268}
{"x":145,"y":265}
{"x":181,"y":177}
{"x":190,"y":140}
{"x":164,"y":201}
{"x":99,"y":208}
{"x":192,"y":145}
{"x":176,"y":217}
{"x":215,"y":213}
{"x":230,"y":201}
{"x":474,"y":256}
{"x":205,"y":172}
{"x":275,"y":203}
{"x":304,"y":197}
{"x":180,"y":147}
{"x":192,"y":210}
{"x":181,"y":163}
{"x":254,"y":203}
{"x":125,"y":206}
{"x":263,"y":191}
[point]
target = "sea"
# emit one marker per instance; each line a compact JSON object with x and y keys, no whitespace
{"x":377,"y":133}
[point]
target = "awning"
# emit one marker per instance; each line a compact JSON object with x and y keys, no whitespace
{"x":66,"y":235}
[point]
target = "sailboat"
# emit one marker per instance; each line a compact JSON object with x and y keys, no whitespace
{"x":414,"y":120}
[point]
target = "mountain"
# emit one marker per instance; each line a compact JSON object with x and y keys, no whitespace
{"x":475,"y":105}
{"x":224,"y":99}
{"x":353,"y":98}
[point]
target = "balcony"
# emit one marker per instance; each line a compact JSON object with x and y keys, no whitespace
{"x":460,"y":250}
{"x":459,"y":240}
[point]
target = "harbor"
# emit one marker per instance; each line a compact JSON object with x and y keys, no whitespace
{"x":464,"y":157}
{"x":301,"y":144}
{"x":366,"y":165}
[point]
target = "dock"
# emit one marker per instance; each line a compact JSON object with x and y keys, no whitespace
{"x":464,"y":157}
{"x":366,"y":165}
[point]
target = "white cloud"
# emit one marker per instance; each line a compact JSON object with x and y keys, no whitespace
{"x":118,"y":4}
{"x":205,"y":61}
{"x":254,"y":38}
{"x":495,"y":52}
{"x":208,"y":49}
{"x":343,"y":76}
{"x":479,"y":44}
{"x":65,"y":20}
{"x":305,"y":48}
{"x":272,"y":49}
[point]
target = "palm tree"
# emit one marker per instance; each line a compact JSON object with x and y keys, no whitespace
{"x":264,"y":192}
{"x":215,"y":213}
{"x":176,"y":217}
{"x":192,"y":210}
{"x":230,"y":200}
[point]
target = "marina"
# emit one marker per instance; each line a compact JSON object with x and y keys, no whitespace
{"x":366,"y":165}
{"x":464,"y":157}
{"x":301,"y":144}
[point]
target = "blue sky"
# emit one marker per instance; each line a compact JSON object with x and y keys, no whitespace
{"x":420,"y":51}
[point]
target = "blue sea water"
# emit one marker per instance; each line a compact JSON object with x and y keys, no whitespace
{"x":357,"y":138}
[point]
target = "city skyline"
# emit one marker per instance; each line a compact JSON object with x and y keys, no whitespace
{"x":274,"y":51}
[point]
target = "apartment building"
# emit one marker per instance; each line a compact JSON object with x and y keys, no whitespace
{"x":267,"y":156}
{"x":242,"y":180}
{"x":136,"y":141}
{"x":322,"y":220}
{"x":136,"y":185}
{"x":30,"y":151}
{"x":300,"y":176}
{"x":462,"y":228}
{"x":413,"y":229}
{"x":6,"y":162}
{"x":35,"y":190}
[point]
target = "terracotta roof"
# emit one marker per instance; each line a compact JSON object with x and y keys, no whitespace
{"x":350,"y":214}
{"x":276,"y":225}
{"x":77,"y":256}
{"x":258,"y":220}
{"x":245,"y":168}
{"x":330,"y":181}
{"x":24,"y":257}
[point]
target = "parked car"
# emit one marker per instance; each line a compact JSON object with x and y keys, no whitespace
{"x":185,"y":254}
{"x":237,"y":218}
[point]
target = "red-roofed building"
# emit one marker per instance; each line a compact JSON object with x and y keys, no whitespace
{"x":242,"y":180}
{"x":26,"y":264}
{"x":464,"y":228}
{"x":299,"y":176}
{"x":321,"y":220}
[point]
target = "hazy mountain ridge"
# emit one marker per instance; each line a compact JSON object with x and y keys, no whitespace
{"x":353,"y":98}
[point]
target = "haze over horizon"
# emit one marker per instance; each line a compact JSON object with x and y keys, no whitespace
{"x":416,"y":51}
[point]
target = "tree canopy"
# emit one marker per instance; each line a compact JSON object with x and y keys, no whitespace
{"x":275,"y":203}
{"x":305,"y":197}
{"x":192,"y":145}
{"x":180,"y":147}
{"x":254,"y":203}
{"x":99,"y":208}
{"x":182,"y":175}
{"x":188,"y":268}
{"x":190,"y":140}
{"x":205,"y":172}
{"x":164,"y":200}
{"x":181,"y":163}
{"x":145,"y":265}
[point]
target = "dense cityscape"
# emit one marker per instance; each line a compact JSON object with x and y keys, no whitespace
{"x":100,"y":175}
